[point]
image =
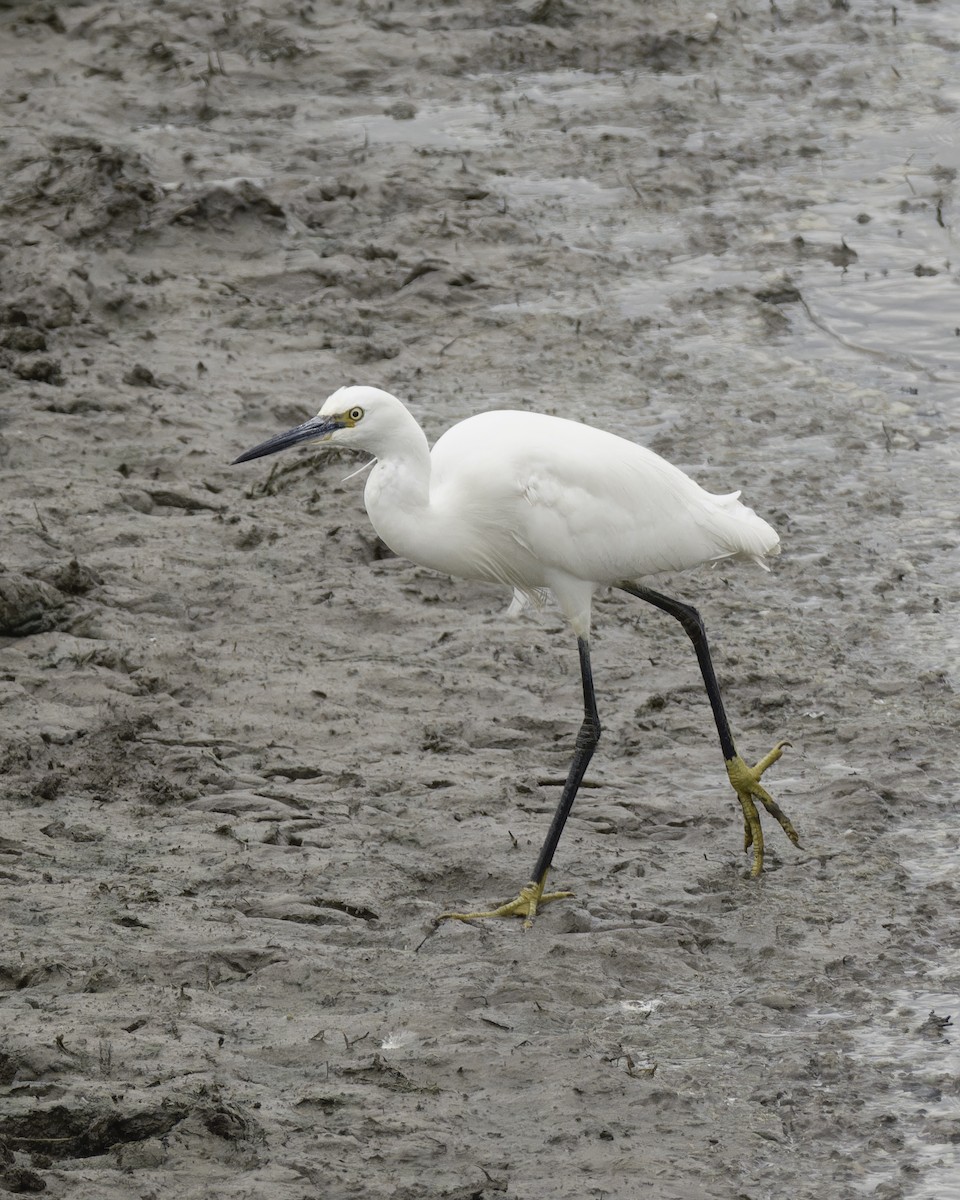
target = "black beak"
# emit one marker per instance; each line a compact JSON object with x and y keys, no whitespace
{"x":312,"y":430}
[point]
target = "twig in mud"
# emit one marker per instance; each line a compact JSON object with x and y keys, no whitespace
{"x":881,"y":355}
{"x":498,"y":1185}
{"x":906,"y":177}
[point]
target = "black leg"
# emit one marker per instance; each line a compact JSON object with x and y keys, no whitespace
{"x":744,"y":780}
{"x":532,"y":895}
{"x":693,"y":626}
{"x":587,"y":740}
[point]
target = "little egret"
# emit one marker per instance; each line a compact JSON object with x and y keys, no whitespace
{"x":541,"y":503}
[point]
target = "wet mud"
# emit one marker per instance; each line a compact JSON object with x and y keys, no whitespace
{"x":248,"y":755}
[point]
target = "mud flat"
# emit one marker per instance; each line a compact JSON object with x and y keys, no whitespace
{"x":248,"y":756}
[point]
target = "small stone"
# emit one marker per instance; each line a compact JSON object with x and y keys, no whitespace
{"x":140,"y":376}
{"x":39,"y":370}
{"x":24,"y":339}
{"x":403,"y":110}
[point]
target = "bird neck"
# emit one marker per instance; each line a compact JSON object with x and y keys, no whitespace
{"x":397,"y":493}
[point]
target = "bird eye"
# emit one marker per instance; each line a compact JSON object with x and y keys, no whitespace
{"x":355,"y":414}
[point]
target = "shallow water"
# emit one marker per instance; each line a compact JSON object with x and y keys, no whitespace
{"x":924,"y":1071}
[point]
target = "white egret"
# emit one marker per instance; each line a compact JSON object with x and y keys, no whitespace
{"x":541,"y":503}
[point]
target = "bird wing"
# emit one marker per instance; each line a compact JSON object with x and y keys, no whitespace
{"x":583,"y":502}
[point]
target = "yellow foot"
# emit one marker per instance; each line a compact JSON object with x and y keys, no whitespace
{"x":531,"y":899}
{"x":746,"y":783}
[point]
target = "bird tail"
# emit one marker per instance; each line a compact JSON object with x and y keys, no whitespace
{"x":746,"y":537}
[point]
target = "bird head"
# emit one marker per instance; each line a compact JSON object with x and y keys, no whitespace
{"x":353,"y":416}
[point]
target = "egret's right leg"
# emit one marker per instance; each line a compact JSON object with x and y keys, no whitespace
{"x":532,"y":897}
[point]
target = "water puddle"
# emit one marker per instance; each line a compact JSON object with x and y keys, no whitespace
{"x":424,"y":126}
{"x":923,"y":1063}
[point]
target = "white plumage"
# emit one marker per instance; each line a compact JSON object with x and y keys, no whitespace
{"x":536,"y":502}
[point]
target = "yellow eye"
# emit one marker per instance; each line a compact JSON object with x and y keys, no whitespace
{"x":355,"y":414}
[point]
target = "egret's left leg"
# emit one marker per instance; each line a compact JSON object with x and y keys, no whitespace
{"x":745,"y":780}
{"x":532,"y":897}
{"x":526,"y":905}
